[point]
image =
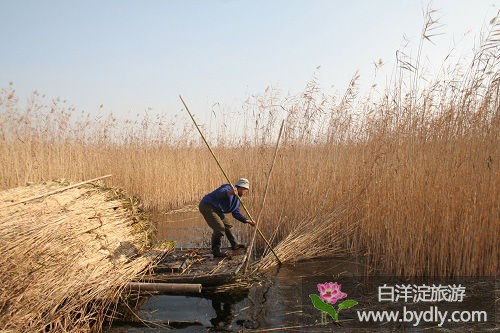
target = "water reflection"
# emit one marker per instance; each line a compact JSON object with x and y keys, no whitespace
{"x":281,"y":299}
{"x":276,"y":299}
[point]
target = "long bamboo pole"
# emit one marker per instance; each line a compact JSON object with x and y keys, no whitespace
{"x":268,"y":181}
{"x":228,"y":179}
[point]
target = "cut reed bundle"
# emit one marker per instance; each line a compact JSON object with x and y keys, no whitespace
{"x":66,"y":258}
{"x":318,"y":236}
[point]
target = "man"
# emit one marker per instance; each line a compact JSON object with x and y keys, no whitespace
{"x":222,"y":201}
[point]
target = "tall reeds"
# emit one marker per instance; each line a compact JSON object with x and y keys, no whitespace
{"x":421,"y":158}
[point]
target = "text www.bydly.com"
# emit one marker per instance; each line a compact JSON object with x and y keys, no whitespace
{"x":433,"y":315}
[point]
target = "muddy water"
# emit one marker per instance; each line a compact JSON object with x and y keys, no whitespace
{"x":280,"y":297}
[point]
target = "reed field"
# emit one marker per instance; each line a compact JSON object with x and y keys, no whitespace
{"x":406,"y":177}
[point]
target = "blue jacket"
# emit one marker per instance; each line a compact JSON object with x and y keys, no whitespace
{"x":224,"y":203}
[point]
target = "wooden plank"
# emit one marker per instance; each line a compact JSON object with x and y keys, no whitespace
{"x":171,"y":267}
{"x":166,"y":288}
{"x":196,"y":267}
{"x":204,"y":280}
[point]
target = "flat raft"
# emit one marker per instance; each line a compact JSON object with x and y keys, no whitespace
{"x":197,"y":266}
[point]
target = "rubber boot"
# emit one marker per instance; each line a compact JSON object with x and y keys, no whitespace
{"x":216,"y":243}
{"x":234,"y":244}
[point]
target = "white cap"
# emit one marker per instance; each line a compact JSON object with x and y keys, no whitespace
{"x":243,"y":182}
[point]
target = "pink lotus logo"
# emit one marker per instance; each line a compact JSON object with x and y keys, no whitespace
{"x":329,"y":293}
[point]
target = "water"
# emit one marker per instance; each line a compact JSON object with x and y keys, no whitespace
{"x":188,"y":228}
{"x":272,"y":302}
{"x":280,"y":297}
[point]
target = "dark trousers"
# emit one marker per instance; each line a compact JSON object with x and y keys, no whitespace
{"x":219,"y":224}
{"x":215,"y":219}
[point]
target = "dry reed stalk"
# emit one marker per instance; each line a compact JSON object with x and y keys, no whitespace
{"x":43,"y":195}
{"x":263,"y":202}
{"x":66,"y":259}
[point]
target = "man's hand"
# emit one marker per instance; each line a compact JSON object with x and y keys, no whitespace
{"x":251,"y":222}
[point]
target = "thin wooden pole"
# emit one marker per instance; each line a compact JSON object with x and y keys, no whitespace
{"x":250,"y":247}
{"x":55,"y":191}
{"x":166,"y":288}
{"x":228,"y":179}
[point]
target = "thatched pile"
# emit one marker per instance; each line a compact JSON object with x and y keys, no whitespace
{"x":66,"y":258}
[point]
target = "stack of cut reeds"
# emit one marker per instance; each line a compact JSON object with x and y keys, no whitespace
{"x":318,"y":236}
{"x":67,"y":257}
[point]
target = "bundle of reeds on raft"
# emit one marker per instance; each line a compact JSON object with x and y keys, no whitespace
{"x":318,"y":236}
{"x":66,"y":258}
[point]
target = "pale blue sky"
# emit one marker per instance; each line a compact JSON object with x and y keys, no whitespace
{"x":130,"y":55}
